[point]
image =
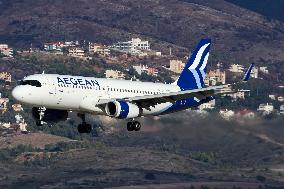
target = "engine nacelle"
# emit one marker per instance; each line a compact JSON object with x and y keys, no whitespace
{"x":51,"y":115}
{"x":123,"y":110}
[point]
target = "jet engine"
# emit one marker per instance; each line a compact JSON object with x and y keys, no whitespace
{"x":50,"y":115}
{"x":123,"y":110}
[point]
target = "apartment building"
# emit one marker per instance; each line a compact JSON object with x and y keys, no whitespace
{"x":114,"y":74}
{"x":215,"y":77}
{"x":76,"y":52}
{"x":176,"y":66}
{"x":134,"y":46}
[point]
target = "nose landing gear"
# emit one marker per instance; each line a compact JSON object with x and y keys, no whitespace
{"x":41,"y":112}
{"x":133,"y":126}
{"x":84,"y":127}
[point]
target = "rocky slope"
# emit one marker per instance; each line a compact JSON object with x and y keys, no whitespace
{"x":238,"y":34}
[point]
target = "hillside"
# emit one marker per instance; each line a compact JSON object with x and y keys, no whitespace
{"x":177,"y":152}
{"x":37,"y":140}
{"x":238,"y":34}
{"x":270,"y":9}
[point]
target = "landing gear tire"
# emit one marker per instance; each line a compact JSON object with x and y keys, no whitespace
{"x":80,"y":128}
{"x":84,"y":128}
{"x":88,"y":128}
{"x":137,"y":126}
{"x":130,"y":126}
{"x":133,"y":126}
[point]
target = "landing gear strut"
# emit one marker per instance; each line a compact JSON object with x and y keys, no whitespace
{"x":84,"y":127}
{"x":41,"y":112}
{"x":133,"y":126}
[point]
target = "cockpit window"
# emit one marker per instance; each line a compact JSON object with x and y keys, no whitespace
{"x":30,"y":82}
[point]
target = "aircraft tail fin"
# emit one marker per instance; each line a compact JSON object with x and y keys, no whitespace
{"x":248,"y":72}
{"x":194,"y":72}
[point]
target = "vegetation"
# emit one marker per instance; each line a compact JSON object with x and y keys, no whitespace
{"x":9,"y":154}
{"x":207,"y":157}
{"x":66,"y":146}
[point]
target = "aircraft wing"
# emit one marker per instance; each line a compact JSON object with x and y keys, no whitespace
{"x":152,"y":100}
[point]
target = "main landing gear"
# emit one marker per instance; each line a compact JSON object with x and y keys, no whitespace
{"x":133,"y":126}
{"x":84,"y":127}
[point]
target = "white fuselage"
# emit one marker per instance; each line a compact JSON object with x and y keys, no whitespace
{"x":75,"y":93}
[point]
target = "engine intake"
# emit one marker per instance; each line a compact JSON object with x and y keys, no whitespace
{"x":123,"y":110}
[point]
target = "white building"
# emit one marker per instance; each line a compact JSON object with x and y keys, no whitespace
{"x":4,"y":46}
{"x":21,"y":122}
{"x":267,"y":108}
{"x":59,"y":45}
{"x":254,"y":73}
{"x":280,"y":98}
{"x":6,"y":125}
{"x":215,"y":77}
{"x":17,"y":107}
{"x":98,"y":48}
{"x":114,"y":74}
{"x":23,"y":127}
{"x":227,"y":114}
{"x":54,"y":46}
{"x":208,"y":106}
{"x":236,"y":68}
{"x":135,"y":46}
{"x":103,"y":51}
{"x":3,"y":104}
{"x":281,"y":110}
{"x":6,"y":51}
{"x":6,"y":76}
{"x":141,"y":69}
{"x":176,"y":66}
{"x":240,"y":94}
{"x":272,"y":96}
{"x":145,"y":69}
{"x":71,"y":43}
{"x":263,"y":69}
{"x":76,"y":52}
{"x":246,"y":114}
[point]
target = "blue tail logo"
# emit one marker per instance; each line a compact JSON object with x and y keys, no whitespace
{"x":194,"y":72}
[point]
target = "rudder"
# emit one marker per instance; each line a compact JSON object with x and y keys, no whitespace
{"x":194,"y":72}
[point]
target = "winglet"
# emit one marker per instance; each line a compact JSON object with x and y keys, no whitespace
{"x":248,"y":72}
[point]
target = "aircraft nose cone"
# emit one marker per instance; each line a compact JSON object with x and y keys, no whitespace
{"x":16,"y":93}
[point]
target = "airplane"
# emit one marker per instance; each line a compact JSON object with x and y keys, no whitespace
{"x":53,"y":96}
